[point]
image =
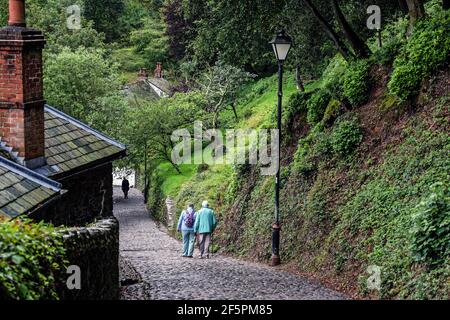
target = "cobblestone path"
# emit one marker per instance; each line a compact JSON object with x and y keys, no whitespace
{"x":153,"y":259}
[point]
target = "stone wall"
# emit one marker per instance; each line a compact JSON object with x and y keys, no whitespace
{"x":89,"y":196}
{"x":95,"y":250}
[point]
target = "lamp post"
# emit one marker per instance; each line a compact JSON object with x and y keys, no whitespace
{"x":281,"y":44}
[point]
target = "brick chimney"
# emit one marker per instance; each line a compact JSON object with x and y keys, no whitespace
{"x":21,"y":88}
{"x":143,"y":74}
{"x":158,"y":71}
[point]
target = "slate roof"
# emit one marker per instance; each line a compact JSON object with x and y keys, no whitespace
{"x":23,"y":190}
{"x":70,"y":144}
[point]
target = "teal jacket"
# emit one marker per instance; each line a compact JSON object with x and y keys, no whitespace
{"x":205,"y":222}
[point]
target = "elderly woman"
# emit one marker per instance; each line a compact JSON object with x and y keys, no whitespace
{"x":186,"y":227}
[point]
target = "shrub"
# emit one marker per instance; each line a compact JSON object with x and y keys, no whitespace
{"x":333,"y":75}
{"x":202,"y":168}
{"x":393,"y":38}
{"x":332,"y":111}
{"x":316,"y":106}
{"x":356,"y":82}
{"x":426,"y":51}
{"x":31,"y":260}
{"x":387,"y":102}
{"x":312,"y":149}
{"x":431,"y":232}
{"x":346,"y":137}
{"x":297,"y":104}
{"x":387,"y":53}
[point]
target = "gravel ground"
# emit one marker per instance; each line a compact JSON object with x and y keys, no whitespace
{"x":152,"y":266}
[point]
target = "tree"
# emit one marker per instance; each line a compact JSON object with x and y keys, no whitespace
{"x":359,"y":46}
{"x":150,"y":125}
{"x":220,"y":85}
{"x":132,"y":19}
{"x":106,"y":16}
{"x":3,"y":12}
{"x":416,"y":11}
{"x":151,"y":42}
{"x":177,"y":28}
{"x":237,"y":32}
{"x":85,"y":85}
{"x":340,"y":45}
{"x":50,"y":17}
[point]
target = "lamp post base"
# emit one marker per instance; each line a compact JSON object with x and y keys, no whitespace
{"x":275,"y":260}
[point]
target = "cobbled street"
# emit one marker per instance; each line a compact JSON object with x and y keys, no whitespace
{"x":152,"y":267}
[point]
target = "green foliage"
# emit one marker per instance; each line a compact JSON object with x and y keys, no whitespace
{"x":3,"y":12}
{"x":332,"y":111}
{"x":106,"y":16}
{"x":387,"y":53}
{"x":156,"y":199}
{"x":296,"y":104}
{"x":312,"y":149}
{"x":50,"y":17}
{"x":85,"y":85}
{"x":172,"y":180}
{"x":128,"y":60}
{"x":132,"y":18}
{"x":145,"y":131}
{"x":381,"y":217}
{"x":208,"y":185}
{"x":221,"y":84}
{"x":32,"y":258}
{"x":150,"y":42}
{"x":356,"y":82}
{"x":424,"y":53}
{"x":388,"y":102}
{"x":332,"y":77}
{"x":431,"y":231}
{"x":257,"y":102}
{"x":320,"y":144}
{"x":346,"y":136}
{"x":250,"y":25}
{"x":393,"y":37}
{"x":317,"y":105}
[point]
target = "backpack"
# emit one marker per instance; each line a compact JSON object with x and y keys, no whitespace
{"x":189,"y":219}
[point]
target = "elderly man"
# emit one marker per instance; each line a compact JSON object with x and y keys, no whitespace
{"x":205,"y":224}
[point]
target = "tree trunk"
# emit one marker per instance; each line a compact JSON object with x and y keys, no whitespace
{"x":416,"y":11}
{"x":174,"y":165}
{"x":403,"y":6}
{"x":445,"y":4}
{"x":359,"y":46}
{"x":340,"y":45}
{"x":298,"y":80}
{"x":234,"y":111}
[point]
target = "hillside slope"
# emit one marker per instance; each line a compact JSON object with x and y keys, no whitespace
{"x":364,"y":174}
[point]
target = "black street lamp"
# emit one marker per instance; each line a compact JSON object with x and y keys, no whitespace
{"x":281,"y":44}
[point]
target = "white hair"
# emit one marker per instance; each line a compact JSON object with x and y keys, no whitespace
{"x":205,"y":204}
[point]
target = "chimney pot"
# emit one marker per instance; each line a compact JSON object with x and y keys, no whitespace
{"x":17,"y":13}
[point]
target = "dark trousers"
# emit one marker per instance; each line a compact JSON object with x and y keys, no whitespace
{"x":205,"y":242}
{"x":125,"y":194}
